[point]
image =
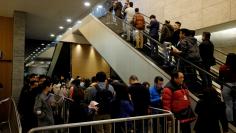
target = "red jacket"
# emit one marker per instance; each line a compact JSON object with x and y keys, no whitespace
{"x":227,"y":75}
{"x":175,"y":98}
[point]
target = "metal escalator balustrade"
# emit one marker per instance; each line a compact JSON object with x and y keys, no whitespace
{"x":119,"y":26}
{"x":195,"y":84}
{"x":11,"y":119}
{"x":218,"y":53}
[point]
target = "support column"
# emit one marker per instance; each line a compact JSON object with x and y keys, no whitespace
{"x":18,"y":53}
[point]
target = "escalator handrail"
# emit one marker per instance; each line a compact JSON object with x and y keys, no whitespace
{"x":181,"y":58}
{"x":217,"y":50}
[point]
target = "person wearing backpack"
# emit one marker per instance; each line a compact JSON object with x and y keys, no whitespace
{"x":167,"y":32}
{"x":102,"y":93}
{"x":139,"y":24}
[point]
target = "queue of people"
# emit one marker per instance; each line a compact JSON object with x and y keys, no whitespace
{"x":107,"y":99}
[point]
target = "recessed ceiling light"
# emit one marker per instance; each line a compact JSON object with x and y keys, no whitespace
{"x":59,"y":36}
{"x":36,"y":50}
{"x":42,"y":44}
{"x":87,"y":4}
{"x":44,"y":48}
{"x":79,"y":22}
{"x":61,"y":27}
{"x":99,"y":6}
{"x":52,"y":35}
{"x":70,"y":28}
{"x":68,"y":20}
{"x":33,"y":52}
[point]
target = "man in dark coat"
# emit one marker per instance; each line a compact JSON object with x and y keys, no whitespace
{"x":206,"y":49}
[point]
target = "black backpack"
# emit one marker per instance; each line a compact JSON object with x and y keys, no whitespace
{"x":104,"y":98}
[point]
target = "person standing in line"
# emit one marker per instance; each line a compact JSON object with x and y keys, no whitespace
{"x":155,"y":92}
{"x":176,"y":38}
{"x":175,"y":98}
{"x":139,"y":24}
{"x":155,"y":98}
{"x":206,"y":49}
{"x":211,"y":111}
{"x":153,"y":32}
{"x":129,"y":17}
{"x":141,"y":101}
{"x":227,"y":74}
{"x":42,"y":106}
{"x":101,"y":92}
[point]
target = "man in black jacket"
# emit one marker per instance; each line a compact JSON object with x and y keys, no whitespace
{"x":140,"y":97}
{"x":153,"y":32}
{"x":206,"y":49}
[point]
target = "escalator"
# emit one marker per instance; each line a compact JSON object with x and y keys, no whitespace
{"x":106,"y":35}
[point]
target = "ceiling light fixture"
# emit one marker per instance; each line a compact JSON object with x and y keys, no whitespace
{"x":79,"y":22}
{"x":42,"y":44}
{"x":68,"y":20}
{"x":100,"y":6}
{"x":61,"y":27}
{"x":52,"y":35}
{"x":59,"y":36}
{"x":70,"y":28}
{"x":87,"y":4}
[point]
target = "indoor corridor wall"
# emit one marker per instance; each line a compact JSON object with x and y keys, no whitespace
{"x":6,"y":44}
{"x":86,"y":61}
{"x":194,"y":14}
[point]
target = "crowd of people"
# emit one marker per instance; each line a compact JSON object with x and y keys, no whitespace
{"x":102,"y":98}
{"x":177,"y":43}
{"x":182,"y":49}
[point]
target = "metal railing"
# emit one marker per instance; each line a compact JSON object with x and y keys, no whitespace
{"x":12,"y":117}
{"x":160,"y":121}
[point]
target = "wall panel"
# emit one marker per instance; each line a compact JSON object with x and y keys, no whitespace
{"x":6,"y":42}
{"x":86,"y":61}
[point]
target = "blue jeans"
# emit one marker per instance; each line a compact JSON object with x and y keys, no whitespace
{"x":229,"y":101}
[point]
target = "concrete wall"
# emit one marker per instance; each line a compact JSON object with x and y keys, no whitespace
{"x":193,"y":14}
{"x":18,"y":53}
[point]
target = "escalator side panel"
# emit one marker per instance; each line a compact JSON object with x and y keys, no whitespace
{"x":122,"y":57}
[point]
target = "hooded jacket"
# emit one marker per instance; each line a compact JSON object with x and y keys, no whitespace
{"x":190,"y":49}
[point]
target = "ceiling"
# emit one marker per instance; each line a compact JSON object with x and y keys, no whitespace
{"x":45,"y":16}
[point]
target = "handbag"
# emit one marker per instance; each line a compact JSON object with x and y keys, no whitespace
{"x":186,"y":115}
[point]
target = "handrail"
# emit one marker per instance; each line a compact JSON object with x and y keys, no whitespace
{"x":4,"y":100}
{"x":220,"y":52}
{"x":217,"y":50}
{"x":100,"y":122}
{"x":13,"y":115}
{"x":181,"y":58}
